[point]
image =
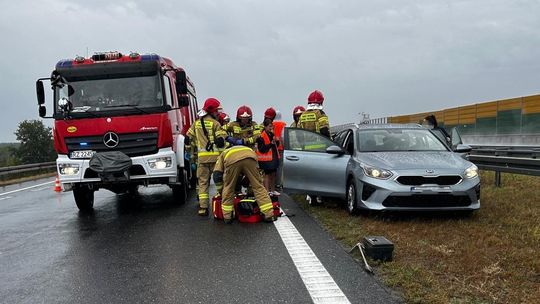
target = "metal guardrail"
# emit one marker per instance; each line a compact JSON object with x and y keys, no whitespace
{"x":5,"y":171}
{"x":510,"y":159}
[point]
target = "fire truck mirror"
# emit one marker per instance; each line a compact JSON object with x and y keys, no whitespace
{"x":42,"y":111}
{"x":40,"y":92}
{"x":181,"y":83}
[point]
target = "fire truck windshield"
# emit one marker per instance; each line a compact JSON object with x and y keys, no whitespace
{"x":112,"y":94}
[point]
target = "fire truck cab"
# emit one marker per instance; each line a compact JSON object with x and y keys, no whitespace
{"x":120,"y":122}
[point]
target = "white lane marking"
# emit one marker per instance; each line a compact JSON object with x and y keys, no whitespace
{"x":22,"y":189}
{"x":321,"y":286}
{"x":39,"y":189}
{"x":5,"y":198}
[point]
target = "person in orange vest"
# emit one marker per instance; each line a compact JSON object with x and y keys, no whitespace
{"x":297,"y":112}
{"x":279,"y":127}
{"x":268,"y":156}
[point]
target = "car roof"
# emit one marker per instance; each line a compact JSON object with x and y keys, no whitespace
{"x":388,"y":126}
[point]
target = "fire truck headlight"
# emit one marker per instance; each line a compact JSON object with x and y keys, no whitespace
{"x":160,"y":163}
{"x":68,"y":169}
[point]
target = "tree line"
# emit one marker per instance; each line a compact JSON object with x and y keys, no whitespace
{"x":35,"y":145}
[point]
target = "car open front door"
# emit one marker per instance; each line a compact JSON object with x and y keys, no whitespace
{"x":308,"y":168}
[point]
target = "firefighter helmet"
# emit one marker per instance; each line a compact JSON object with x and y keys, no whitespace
{"x":298,"y":110}
{"x":270,"y":113}
{"x":223,"y":118}
{"x":211,"y":105}
{"x":316,"y":97}
{"x":244,"y":112}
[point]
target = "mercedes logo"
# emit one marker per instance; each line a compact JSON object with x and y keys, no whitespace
{"x":110,"y":139}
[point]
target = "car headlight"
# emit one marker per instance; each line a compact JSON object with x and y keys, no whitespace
{"x":471,"y":172}
{"x":376,"y":172}
{"x":160,"y":163}
{"x":68,"y":169}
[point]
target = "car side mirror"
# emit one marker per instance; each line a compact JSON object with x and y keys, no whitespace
{"x":335,"y":150}
{"x":461,"y":148}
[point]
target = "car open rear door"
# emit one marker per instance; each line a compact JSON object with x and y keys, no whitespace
{"x":308,"y":168}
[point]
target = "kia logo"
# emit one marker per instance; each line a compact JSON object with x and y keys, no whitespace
{"x":110,"y":139}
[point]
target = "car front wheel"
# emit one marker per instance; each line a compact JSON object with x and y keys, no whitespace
{"x":352,"y":205}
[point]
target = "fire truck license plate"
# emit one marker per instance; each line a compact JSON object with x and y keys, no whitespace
{"x":82,"y":154}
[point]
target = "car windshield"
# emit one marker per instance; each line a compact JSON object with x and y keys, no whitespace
{"x":97,"y":95}
{"x":388,"y":140}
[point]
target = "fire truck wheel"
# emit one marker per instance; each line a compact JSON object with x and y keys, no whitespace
{"x":84,"y":198}
{"x":180,"y":192}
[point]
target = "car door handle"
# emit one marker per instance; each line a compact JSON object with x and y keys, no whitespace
{"x":293,"y":158}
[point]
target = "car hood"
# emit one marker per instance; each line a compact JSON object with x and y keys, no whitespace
{"x":414,"y":160}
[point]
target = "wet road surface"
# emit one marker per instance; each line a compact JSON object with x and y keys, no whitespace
{"x":145,"y":249}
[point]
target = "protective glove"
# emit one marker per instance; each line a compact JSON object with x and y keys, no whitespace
{"x":235,"y":142}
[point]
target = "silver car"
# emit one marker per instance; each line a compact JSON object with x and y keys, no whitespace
{"x":381,"y":167}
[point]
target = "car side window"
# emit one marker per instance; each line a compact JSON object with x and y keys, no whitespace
{"x":304,"y":140}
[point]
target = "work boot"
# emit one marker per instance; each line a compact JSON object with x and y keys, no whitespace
{"x":270,"y":219}
{"x":203,"y":211}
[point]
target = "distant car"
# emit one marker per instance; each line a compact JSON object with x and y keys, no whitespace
{"x":381,"y":167}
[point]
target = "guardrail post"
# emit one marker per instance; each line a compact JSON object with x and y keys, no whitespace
{"x":498,"y":179}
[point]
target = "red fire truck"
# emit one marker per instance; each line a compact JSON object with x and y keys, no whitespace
{"x":120,"y":122}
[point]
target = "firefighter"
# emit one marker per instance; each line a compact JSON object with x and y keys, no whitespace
{"x":244,"y":131}
{"x":208,"y":137}
{"x":297,"y":111}
{"x":224,"y":119}
{"x":230,"y":164}
{"x":314,"y":118}
{"x":270,"y":113}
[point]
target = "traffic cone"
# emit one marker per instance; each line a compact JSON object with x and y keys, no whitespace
{"x":57,"y":186}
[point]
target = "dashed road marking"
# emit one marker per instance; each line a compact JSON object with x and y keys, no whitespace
{"x":321,"y":286}
{"x":22,"y":189}
{"x":5,"y":198}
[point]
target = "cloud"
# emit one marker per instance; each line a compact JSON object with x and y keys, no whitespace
{"x":381,"y":57}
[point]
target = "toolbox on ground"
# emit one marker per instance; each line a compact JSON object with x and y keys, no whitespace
{"x":378,"y":248}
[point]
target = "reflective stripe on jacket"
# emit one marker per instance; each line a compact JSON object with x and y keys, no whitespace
{"x":200,"y":139}
{"x":313,"y":120}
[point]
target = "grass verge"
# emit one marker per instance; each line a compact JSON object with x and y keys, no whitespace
{"x":491,"y":256}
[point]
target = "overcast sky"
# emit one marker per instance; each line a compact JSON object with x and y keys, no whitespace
{"x":383,"y":57}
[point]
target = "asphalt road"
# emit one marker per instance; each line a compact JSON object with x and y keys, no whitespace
{"x":144,"y":249}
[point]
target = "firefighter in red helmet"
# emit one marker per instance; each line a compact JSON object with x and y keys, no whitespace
{"x":270,"y":113}
{"x":314,"y":118}
{"x":208,"y":137}
{"x":297,"y":111}
{"x":244,"y":131}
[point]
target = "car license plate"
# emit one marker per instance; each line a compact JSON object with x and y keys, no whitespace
{"x":82,"y":154}
{"x":442,"y":189}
